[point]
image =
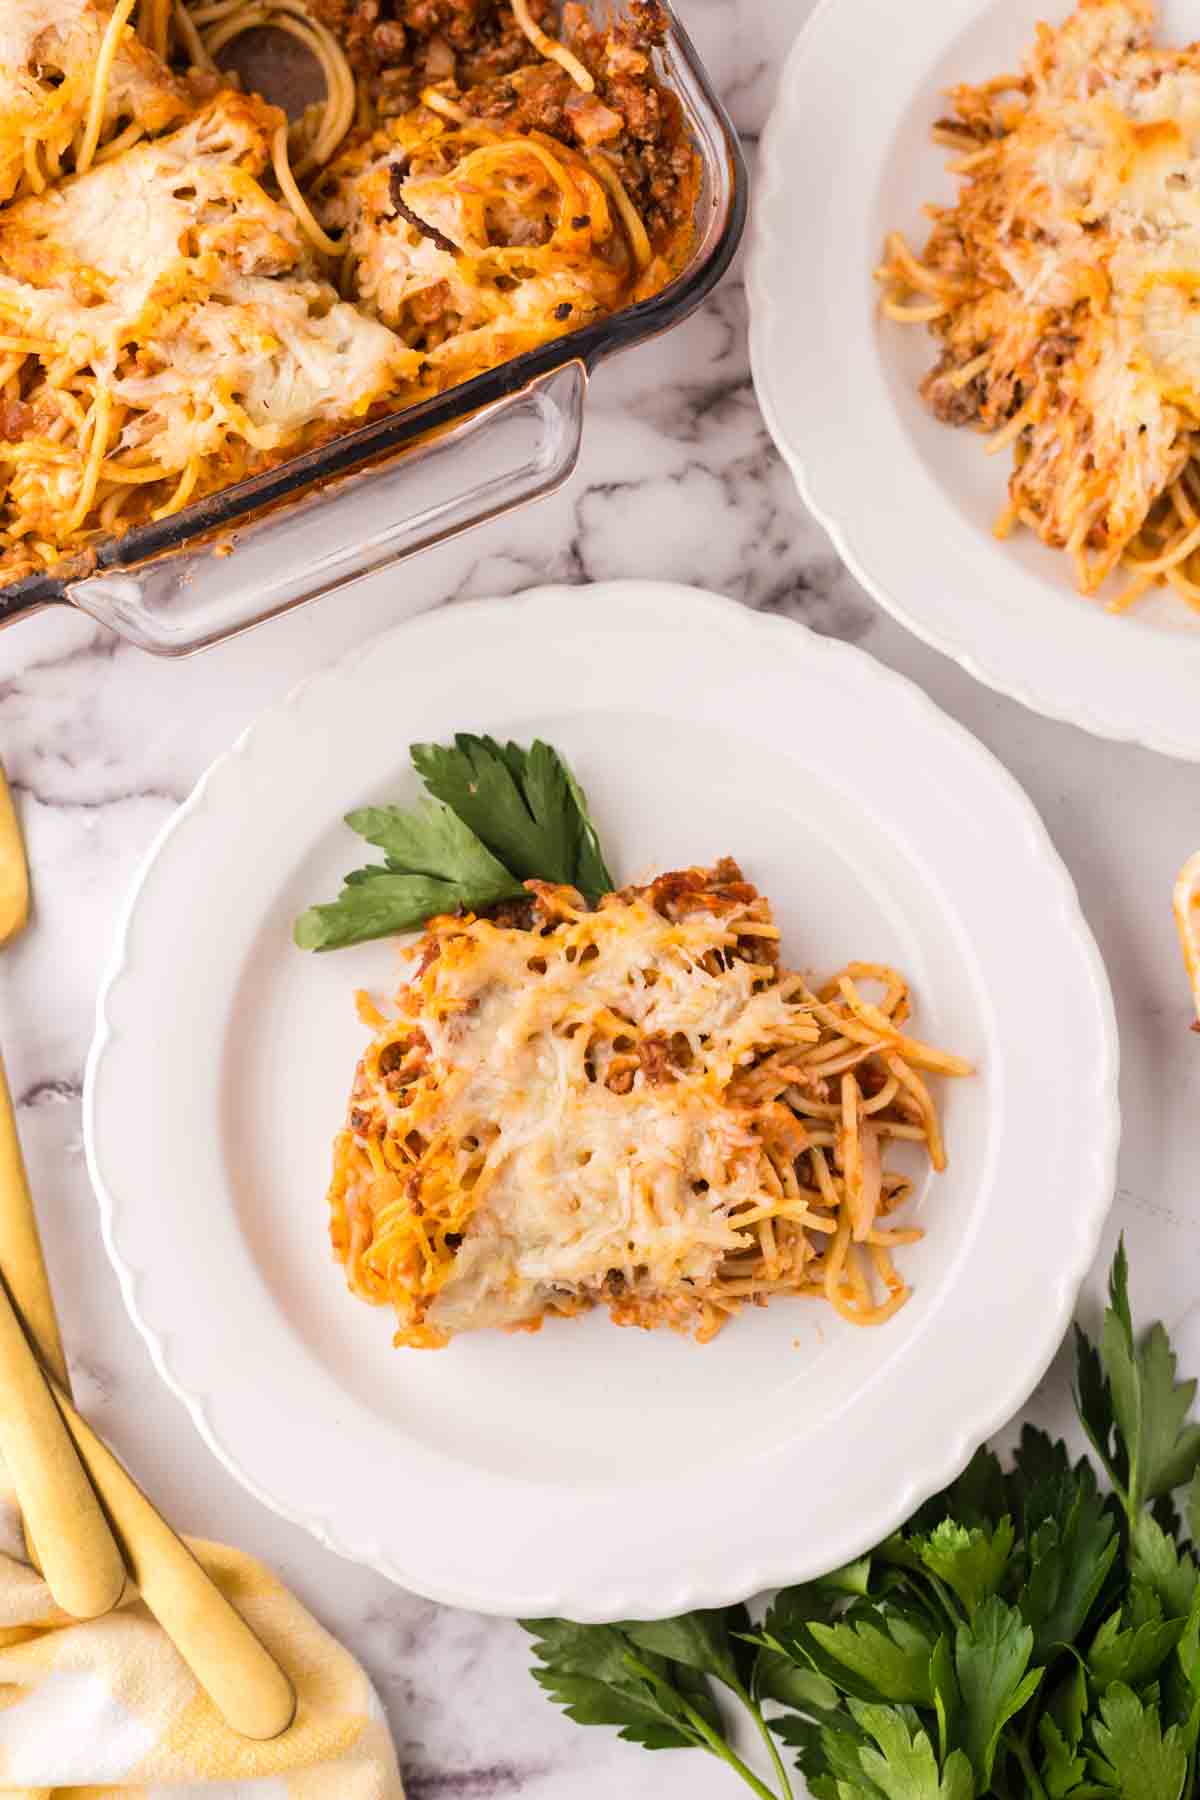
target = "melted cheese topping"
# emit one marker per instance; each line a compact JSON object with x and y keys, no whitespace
{"x":48,"y":55}
{"x":515,"y":242}
{"x":179,"y":218}
{"x":172,"y":275}
{"x":617,"y":1107}
{"x":1066,"y":273}
{"x":163,"y":331}
{"x":28,"y":24}
{"x":576,"y":1133}
{"x":580,"y":1180}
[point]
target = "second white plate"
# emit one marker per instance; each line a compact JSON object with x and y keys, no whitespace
{"x":908,"y":502}
{"x":589,"y":1471}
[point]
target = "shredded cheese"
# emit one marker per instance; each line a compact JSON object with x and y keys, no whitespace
{"x":609,"y":1106}
{"x":211,"y":337}
{"x":61,"y":61}
{"x":518,"y":238}
{"x":191,"y":287}
{"x":1065,"y":286}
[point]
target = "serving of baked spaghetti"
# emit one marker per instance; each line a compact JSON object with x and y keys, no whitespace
{"x":193,"y":289}
{"x":1063,"y":287}
{"x":633,"y":1105}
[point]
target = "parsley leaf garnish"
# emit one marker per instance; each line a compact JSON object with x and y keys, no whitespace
{"x":1131,"y":1651}
{"x":710,"y":1642}
{"x":497,"y":816}
{"x":1136,"y":1759}
{"x":1071,"y":1543}
{"x":1062,"y":1770}
{"x":1026,"y":1635}
{"x":652,"y":1679}
{"x":890,"y":1660}
{"x":969,"y":1559}
{"x":1149,"y":1407}
{"x":901,"y":1762}
{"x":1060,"y":1730}
{"x":525,"y":805}
{"x":587,"y":1669}
{"x":434,"y":864}
{"x":991,"y":1656}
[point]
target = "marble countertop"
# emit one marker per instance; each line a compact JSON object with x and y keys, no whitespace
{"x":678,"y":479}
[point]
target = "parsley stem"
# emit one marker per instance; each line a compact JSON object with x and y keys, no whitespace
{"x":728,"y":1754}
{"x":768,"y":1738}
{"x":712,"y":1742}
{"x":1019,"y":1749}
{"x":949,"y":1605}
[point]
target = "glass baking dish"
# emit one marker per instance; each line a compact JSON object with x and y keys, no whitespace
{"x":382,"y":493}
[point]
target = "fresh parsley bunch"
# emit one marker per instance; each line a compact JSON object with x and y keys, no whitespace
{"x":497,"y":815}
{"x":1025,"y":1634}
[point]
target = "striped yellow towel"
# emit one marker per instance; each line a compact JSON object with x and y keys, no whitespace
{"x":108,"y":1708}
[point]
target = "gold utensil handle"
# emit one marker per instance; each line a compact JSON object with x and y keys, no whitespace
{"x":83,"y":1568}
{"x":47,"y":1457}
{"x":14,"y":871}
{"x":236,"y":1671}
{"x":21,"y":1256}
{"x":20,"y":1246}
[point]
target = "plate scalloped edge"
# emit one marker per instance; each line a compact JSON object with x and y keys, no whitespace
{"x":687,"y":1593}
{"x":770,"y":181}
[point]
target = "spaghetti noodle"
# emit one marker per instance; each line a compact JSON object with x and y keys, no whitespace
{"x":1064,"y":287}
{"x":551,"y":49}
{"x":148,"y":357}
{"x":634,"y":1107}
{"x":211,"y":341}
{"x":73,"y":75}
{"x":476,"y":242}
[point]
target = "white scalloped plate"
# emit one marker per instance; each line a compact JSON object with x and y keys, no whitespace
{"x":909,"y":503}
{"x":589,"y":1471}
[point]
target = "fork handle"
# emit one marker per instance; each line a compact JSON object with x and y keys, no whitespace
{"x":236,"y":1670}
{"x":83,"y":1567}
{"x":21,"y":1256}
{"x":242,"y":1679}
{"x":20,"y":1246}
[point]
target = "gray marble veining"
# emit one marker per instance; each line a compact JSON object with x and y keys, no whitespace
{"x":678,"y":479}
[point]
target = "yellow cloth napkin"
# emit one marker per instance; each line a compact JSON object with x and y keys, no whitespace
{"x":109,"y":1707}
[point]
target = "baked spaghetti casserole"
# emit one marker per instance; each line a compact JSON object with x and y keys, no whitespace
{"x":193,"y":289}
{"x":1063,"y":288}
{"x":634,"y":1106}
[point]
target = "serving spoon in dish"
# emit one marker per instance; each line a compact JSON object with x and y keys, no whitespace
{"x":240,"y":1676}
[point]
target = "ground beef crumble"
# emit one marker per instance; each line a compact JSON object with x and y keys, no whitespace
{"x":476,"y":53}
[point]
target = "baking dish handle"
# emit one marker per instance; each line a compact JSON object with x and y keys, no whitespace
{"x":523,"y":446}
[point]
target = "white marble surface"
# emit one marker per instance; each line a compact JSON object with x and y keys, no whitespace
{"x":678,"y":479}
